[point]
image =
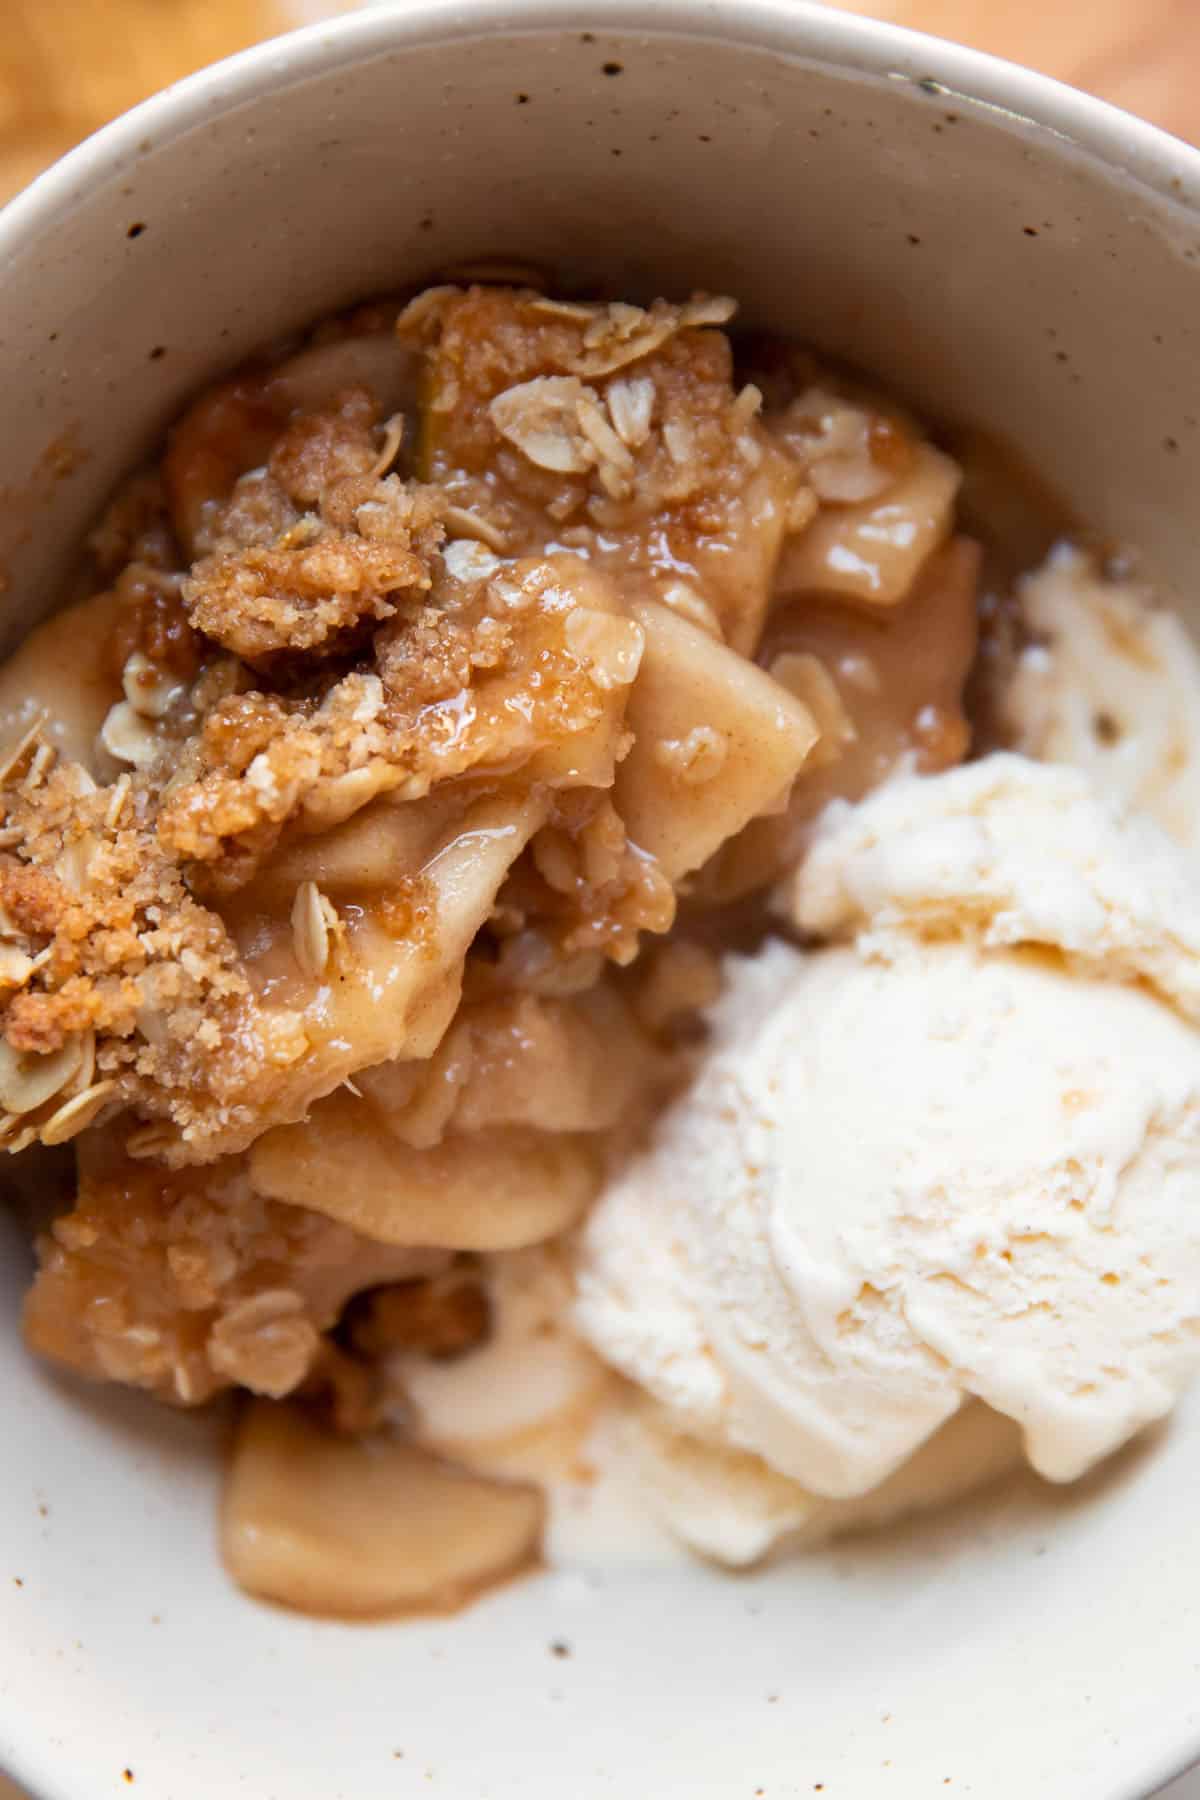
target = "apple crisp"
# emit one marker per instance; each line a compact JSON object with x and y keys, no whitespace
{"x":366,"y":830}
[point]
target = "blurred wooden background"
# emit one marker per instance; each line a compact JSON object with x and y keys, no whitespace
{"x":68,"y":65}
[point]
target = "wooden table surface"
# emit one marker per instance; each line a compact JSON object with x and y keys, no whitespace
{"x":66,"y":67}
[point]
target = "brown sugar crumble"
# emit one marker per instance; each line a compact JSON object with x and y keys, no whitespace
{"x":447,"y":678}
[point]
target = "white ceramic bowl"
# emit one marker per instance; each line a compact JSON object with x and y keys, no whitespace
{"x":995,"y":246}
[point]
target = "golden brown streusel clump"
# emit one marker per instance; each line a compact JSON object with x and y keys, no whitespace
{"x":114,"y":955}
{"x":316,"y":548}
{"x":186,"y":1283}
{"x":483,"y":677}
{"x":619,"y":429}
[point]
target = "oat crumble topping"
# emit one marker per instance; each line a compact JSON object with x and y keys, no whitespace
{"x":447,"y":678}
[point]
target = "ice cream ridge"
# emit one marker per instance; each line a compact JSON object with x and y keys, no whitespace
{"x":933,"y":1197}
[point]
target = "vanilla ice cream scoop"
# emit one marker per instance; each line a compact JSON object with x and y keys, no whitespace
{"x":1111,"y":684}
{"x":954,"y":1153}
{"x":731,"y":1506}
{"x":1001,"y":854}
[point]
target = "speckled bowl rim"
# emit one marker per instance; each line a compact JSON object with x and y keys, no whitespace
{"x":1134,"y":150}
{"x":1138,"y":155}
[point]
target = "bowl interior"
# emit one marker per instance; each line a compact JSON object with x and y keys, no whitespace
{"x":896,"y":202}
